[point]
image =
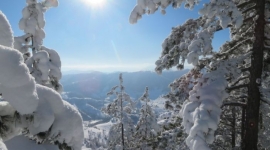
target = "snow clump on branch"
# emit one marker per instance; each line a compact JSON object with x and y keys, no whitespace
{"x":201,"y":112}
{"x":28,"y":106}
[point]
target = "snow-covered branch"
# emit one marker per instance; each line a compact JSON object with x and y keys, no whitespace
{"x":229,"y":89}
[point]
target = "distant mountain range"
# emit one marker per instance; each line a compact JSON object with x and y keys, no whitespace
{"x":88,"y":90}
{"x":96,"y":84}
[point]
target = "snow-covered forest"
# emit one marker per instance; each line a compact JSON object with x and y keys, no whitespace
{"x":221,"y":103}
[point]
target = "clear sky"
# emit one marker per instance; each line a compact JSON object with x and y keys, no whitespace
{"x":99,"y":37}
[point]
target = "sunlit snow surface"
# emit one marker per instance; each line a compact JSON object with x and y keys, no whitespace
{"x":6,"y":37}
{"x":23,"y":143}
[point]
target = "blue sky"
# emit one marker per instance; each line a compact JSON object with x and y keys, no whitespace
{"x":101,"y":38}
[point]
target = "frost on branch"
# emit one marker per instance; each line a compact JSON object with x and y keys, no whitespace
{"x":185,"y":42}
{"x":201,"y":112}
{"x":151,"y":6}
{"x":226,"y":12}
{"x":175,"y":46}
{"x":193,"y":39}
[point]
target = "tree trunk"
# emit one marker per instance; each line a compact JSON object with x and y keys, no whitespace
{"x":254,"y":96}
{"x":145,"y":121}
{"x":122,"y":125}
{"x":121,"y":101}
{"x":123,"y":142}
{"x":33,"y":48}
{"x":243,"y":125}
{"x":233,"y":127}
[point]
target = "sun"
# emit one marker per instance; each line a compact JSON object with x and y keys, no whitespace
{"x":95,"y":3}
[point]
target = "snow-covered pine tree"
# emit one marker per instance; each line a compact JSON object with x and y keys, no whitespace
{"x":147,"y":127}
{"x":121,"y":133}
{"x":96,"y":140}
{"x":44,"y":64}
{"x":171,"y":135}
{"x":26,"y":105}
{"x":238,"y":74}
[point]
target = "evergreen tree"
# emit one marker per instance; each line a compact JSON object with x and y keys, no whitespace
{"x":147,"y":127}
{"x":121,"y":133}
{"x":44,"y":64}
{"x":26,"y":105}
{"x":237,"y":75}
{"x":171,"y":135}
{"x":96,"y":140}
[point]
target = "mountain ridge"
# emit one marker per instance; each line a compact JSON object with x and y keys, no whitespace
{"x":88,"y":91}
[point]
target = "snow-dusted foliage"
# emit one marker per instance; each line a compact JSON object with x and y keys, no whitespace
{"x":171,"y":135}
{"x":225,"y":78}
{"x":38,"y":111}
{"x":121,"y":133}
